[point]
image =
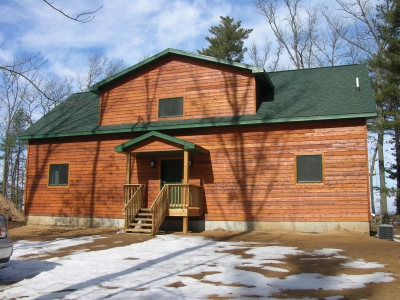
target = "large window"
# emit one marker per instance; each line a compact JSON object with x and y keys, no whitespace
{"x":170,"y":107}
{"x":58,"y":174}
{"x":309,"y":168}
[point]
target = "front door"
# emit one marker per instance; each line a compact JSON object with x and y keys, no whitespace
{"x":172,"y":173}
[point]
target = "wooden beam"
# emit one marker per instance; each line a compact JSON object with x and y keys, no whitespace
{"x":185,"y":225}
{"x":128,"y":168}
{"x":185,"y":166}
{"x":185,"y":180}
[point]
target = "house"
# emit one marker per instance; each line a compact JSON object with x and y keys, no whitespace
{"x":183,"y":139}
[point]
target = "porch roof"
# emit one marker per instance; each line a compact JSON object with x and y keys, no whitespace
{"x":192,"y":148}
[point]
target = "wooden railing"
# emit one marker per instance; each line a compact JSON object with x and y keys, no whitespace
{"x":133,"y":201}
{"x":185,"y":195}
{"x":175,"y":196}
{"x":159,"y":209}
{"x":196,"y":194}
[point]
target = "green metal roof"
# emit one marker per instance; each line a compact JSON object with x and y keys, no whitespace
{"x":299,"y":95}
{"x":258,"y":72}
{"x":191,"y":147}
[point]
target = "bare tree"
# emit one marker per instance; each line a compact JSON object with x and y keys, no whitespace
{"x":27,"y":65}
{"x":360,"y":15}
{"x":143,"y":57}
{"x":12,"y":87}
{"x":57,"y":90}
{"x":98,"y":68}
{"x":332,"y":49}
{"x":263,"y":58}
{"x":294,"y":33}
{"x":23,"y":95}
{"x":300,"y":33}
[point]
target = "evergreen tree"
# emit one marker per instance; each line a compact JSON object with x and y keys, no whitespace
{"x":227,"y":42}
{"x":388,"y":19}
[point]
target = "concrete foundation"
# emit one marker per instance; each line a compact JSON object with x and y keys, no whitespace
{"x":200,"y":225}
{"x":75,"y":222}
{"x":309,"y":227}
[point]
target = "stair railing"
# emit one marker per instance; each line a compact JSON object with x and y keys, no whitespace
{"x":159,"y":209}
{"x":133,"y":201}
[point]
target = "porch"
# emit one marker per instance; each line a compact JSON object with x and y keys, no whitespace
{"x":175,"y":200}
{"x":177,"y":197}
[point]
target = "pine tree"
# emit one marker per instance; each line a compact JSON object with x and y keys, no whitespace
{"x":390,"y":32}
{"x":228,"y":40}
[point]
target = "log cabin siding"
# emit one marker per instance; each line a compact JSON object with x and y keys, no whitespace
{"x":154,"y":145}
{"x":208,"y":90}
{"x":248,"y":176}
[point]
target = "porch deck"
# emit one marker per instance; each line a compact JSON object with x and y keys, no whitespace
{"x":176,"y":200}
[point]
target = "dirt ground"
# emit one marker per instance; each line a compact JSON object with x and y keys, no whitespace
{"x":355,"y":246}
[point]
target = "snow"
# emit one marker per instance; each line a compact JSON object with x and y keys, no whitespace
{"x":40,"y":249}
{"x":174,"y":267}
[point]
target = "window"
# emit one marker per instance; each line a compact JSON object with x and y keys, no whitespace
{"x":309,"y":168}
{"x":170,"y":107}
{"x":58,"y":174}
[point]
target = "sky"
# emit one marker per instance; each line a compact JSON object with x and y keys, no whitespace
{"x":127,"y":30}
{"x":166,"y":267}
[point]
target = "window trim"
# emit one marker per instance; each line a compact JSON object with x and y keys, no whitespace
{"x":322,"y":182}
{"x":163,"y":97}
{"x":58,"y":185}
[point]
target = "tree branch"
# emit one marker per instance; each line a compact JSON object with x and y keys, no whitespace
{"x":83,"y":17}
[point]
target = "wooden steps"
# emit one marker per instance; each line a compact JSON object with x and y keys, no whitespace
{"x":141,"y":223}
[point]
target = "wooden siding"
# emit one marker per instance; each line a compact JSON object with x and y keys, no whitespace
{"x":249,"y":174}
{"x":154,"y":144}
{"x":208,"y":89}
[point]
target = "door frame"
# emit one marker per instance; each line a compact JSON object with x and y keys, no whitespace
{"x":162,"y":161}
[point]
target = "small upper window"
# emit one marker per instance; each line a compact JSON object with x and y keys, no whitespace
{"x":309,"y":168}
{"x":170,"y":107}
{"x":58,"y":174}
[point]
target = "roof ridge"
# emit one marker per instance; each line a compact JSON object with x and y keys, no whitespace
{"x":317,"y":68}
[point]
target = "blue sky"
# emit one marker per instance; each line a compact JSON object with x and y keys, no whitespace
{"x":127,"y":30}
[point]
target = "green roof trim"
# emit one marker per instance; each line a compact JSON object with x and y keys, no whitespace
{"x":192,"y":148}
{"x":127,"y":128}
{"x":258,"y":72}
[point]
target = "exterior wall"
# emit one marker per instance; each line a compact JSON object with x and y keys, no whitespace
{"x":96,"y":175}
{"x":249,"y":175}
{"x":208,"y":89}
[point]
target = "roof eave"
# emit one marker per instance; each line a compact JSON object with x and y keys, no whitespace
{"x":153,"y":127}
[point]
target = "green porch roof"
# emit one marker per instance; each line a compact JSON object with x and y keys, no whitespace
{"x":298,"y":95}
{"x":191,"y":147}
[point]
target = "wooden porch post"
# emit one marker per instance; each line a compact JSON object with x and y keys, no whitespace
{"x":185,"y":180}
{"x":185,"y":166}
{"x":128,"y":168}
